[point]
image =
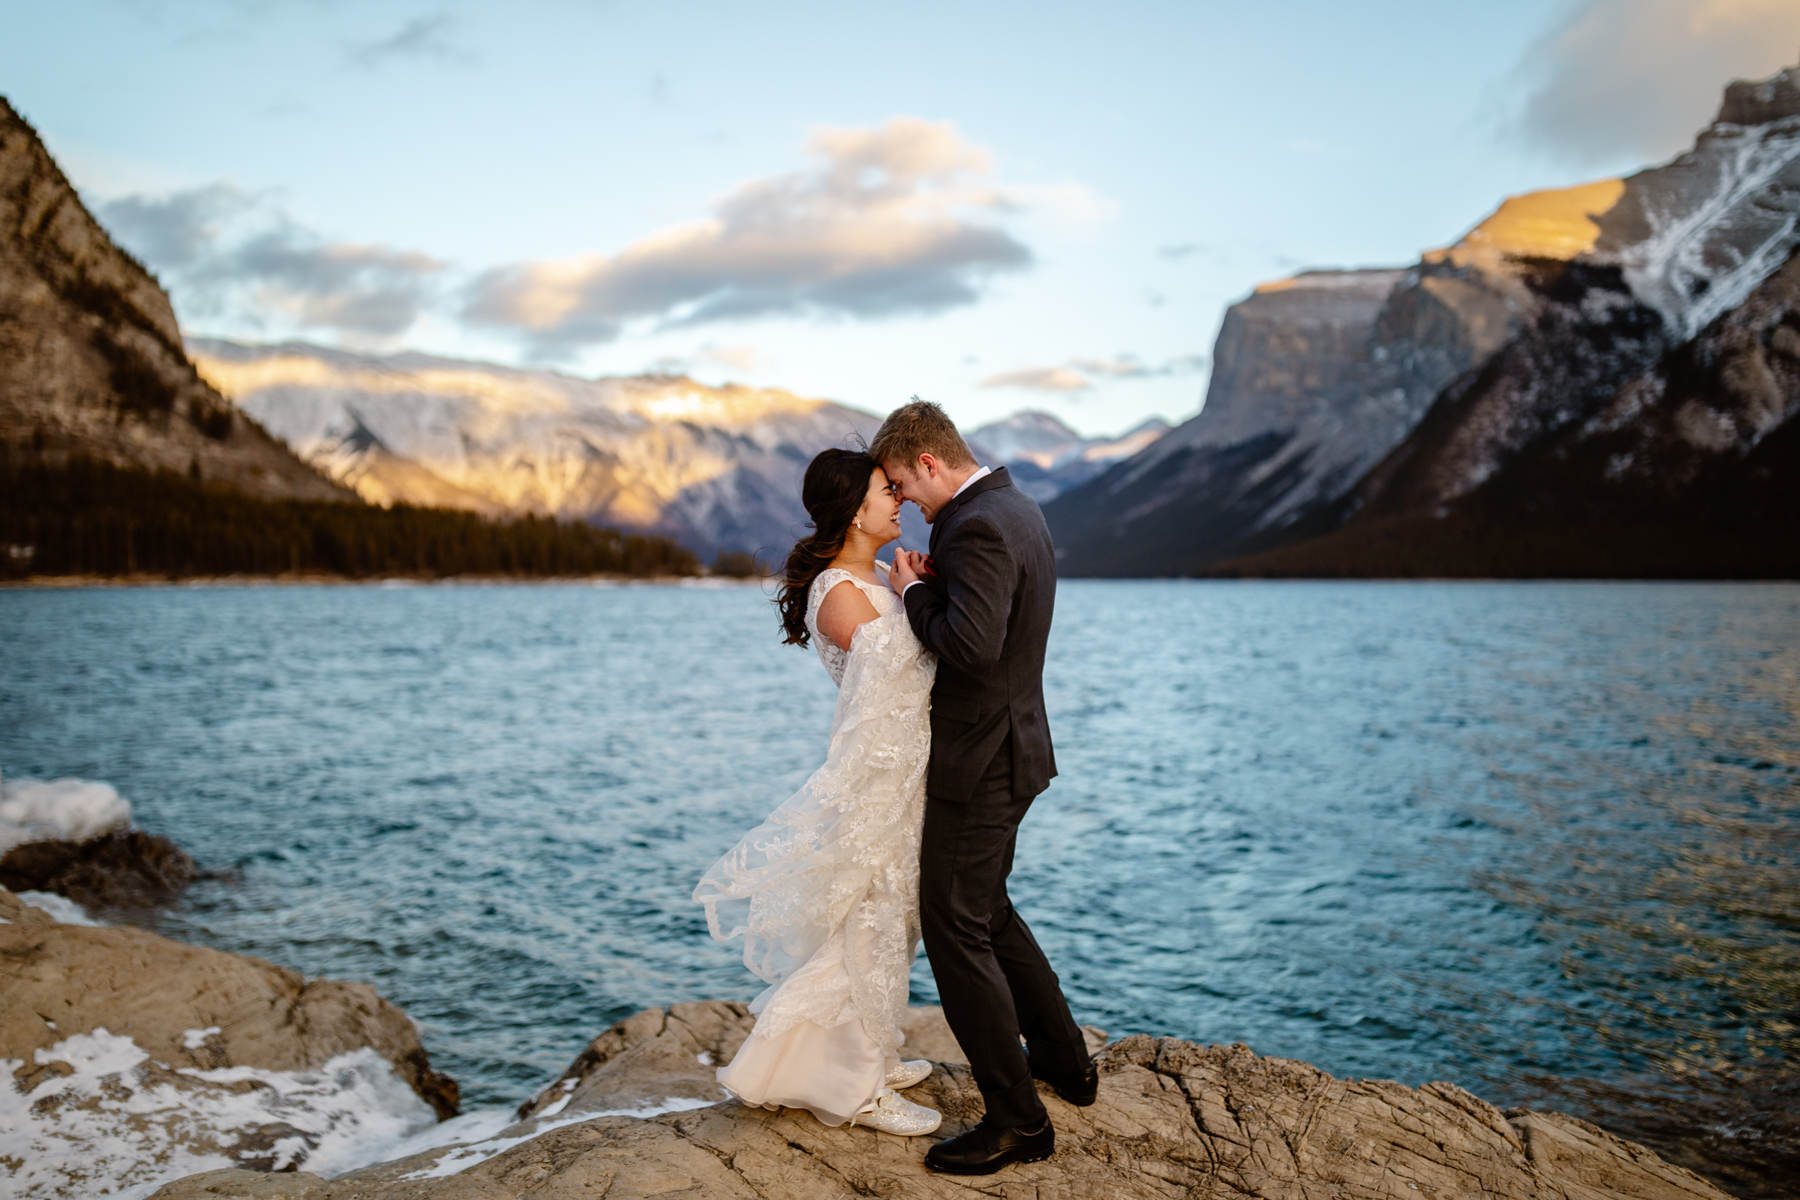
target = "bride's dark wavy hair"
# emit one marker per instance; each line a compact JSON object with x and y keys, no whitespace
{"x":833,"y":490}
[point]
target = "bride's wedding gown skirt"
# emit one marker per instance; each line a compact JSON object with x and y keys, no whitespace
{"x":825,"y":892}
{"x":835,"y":1072}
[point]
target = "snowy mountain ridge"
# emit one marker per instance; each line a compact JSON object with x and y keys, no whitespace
{"x":716,"y":467}
{"x":1046,"y":441}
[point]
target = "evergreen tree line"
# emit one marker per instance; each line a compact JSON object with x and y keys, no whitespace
{"x":87,"y":517}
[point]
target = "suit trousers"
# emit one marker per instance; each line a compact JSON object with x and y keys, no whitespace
{"x":993,"y":981}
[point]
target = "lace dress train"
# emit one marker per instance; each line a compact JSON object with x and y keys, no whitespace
{"x":825,"y":891}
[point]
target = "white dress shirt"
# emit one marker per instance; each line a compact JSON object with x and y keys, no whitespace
{"x":953,"y":495}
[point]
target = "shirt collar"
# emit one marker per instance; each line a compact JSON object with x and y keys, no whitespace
{"x":971,"y":479}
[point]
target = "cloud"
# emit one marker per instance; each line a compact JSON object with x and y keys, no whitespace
{"x":899,"y":218}
{"x":359,"y":289}
{"x":175,"y":231}
{"x":1178,"y":251}
{"x":1039,"y":379}
{"x":1633,"y":80}
{"x":1130,"y":366}
{"x":1077,"y":375}
{"x":744,"y":359}
{"x":227,"y":251}
{"x":421,"y":37}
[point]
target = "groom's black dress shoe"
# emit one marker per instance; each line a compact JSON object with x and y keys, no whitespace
{"x":986,"y":1148}
{"x":1079,"y":1089}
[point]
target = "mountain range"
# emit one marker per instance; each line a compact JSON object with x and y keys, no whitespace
{"x":1594,"y":380}
{"x":716,"y":467}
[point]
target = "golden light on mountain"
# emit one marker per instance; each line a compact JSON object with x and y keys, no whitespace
{"x":1559,"y":223}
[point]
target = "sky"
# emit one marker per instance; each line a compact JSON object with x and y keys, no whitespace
{"x":996,"y":206}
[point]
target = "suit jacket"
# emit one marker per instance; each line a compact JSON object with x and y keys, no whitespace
{"x":986,"y":615}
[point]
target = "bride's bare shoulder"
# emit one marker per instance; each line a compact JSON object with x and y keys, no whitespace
{"x":844,"y":608}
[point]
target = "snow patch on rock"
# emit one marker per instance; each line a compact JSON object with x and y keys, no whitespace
{"x":117,"y":1123}
{"x":70,"y":810}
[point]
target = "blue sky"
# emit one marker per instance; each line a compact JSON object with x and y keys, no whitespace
{"x":996,"y":206}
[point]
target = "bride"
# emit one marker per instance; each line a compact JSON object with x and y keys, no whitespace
{"x":825,"y":892}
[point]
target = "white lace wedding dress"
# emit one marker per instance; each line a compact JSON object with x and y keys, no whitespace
{"x":825,"y":892}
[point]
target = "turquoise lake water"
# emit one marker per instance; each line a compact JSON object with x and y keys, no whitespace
{"x":1538,"y":839}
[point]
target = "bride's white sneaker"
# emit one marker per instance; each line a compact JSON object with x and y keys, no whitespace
{"x":894,"y":1113}
{"x":907,"y":1074}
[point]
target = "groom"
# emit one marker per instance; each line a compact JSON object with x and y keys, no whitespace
{"x":982,"y":603}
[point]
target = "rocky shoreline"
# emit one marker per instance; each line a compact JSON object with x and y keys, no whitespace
{"x":143,"y":1066}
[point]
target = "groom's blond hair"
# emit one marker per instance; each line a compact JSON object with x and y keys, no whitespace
{"x":920,"y":428}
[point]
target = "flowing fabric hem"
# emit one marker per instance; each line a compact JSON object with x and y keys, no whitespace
{"x":833,"y":1073}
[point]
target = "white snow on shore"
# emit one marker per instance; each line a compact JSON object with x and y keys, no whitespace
{"x":60,"y":908}
{"x":36,"y":810}
{"x":462,"y":1157}
{"x":120,"y":1124}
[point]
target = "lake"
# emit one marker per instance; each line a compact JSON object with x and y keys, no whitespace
{"x":1538,"y":839}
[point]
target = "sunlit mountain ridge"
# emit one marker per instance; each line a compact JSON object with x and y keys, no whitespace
{"x":717,"y":467}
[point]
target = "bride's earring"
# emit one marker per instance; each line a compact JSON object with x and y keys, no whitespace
{"x":859,"y":523}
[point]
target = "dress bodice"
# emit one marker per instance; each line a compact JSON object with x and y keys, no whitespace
{"x":879,"y":594}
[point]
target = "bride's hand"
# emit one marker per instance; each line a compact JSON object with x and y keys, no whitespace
{"x":905,"y":570}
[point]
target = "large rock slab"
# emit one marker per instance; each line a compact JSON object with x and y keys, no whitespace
{"x":1173,"y":1119}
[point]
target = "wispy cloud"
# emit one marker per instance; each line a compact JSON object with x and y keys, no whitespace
{"x":421,"y":37}
{"x":1039,"y":379}
{"x":227,"y":251}
{"x":1634,"y":80}
{"x":900,"y":218}
{"x":174,"y":232}
{"x":1130,"y":366}
{"x":1078,"y":374}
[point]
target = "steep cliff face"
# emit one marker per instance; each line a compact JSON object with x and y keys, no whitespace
{"x":91,"y":359}
{"x":1668,"y":252}
{"x":1314,"y":379}
{"x":1683,"y":467}
{"x":1551,"y":320}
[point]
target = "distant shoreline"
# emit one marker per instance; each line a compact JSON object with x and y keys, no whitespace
{"x":313,"y":579}
{"x":304,"y":579}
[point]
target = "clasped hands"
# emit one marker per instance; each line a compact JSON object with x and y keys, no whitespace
{"x":909,"y":567}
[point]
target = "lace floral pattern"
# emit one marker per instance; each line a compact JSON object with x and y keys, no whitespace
{"x":832,"y":875}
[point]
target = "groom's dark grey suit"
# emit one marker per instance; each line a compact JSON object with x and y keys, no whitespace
{"x":985,"y":612}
